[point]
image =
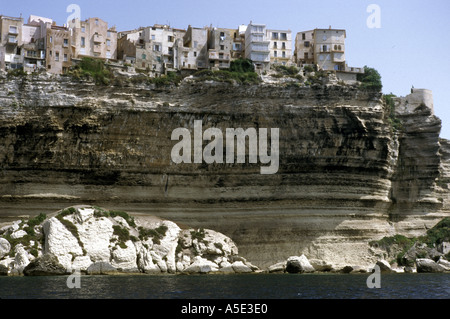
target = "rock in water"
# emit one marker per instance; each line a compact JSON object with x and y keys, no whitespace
{"x":47,"y":265}
{"x":428,"y":265}
{"x":5,"y":247}
{"x":298,"y":264}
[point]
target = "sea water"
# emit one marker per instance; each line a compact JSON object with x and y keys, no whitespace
{"x":238,"y":286}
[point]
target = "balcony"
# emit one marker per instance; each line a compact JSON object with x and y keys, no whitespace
{"x":98,"y":38}
{"x":12,"y":40}
{"x":97,"y":49}
{"x":13,"y":31}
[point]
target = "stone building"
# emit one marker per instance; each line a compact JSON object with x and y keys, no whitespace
{"x":93,"y":38}
{"x":195,"y":49}
{"x":280,"y":46}
{"x":220,"y":47}
{"x":326,"y":49}
{"x":58,"y":48}
{"x":11,"y":42}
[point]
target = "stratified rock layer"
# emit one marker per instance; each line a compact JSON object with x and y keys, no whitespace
{"x":345,"y":176}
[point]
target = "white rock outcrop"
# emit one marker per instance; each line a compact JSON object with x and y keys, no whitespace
{"x":96,"y":241}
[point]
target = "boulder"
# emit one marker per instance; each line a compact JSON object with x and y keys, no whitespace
{"x":298,"y":264}
{"x":81,"y":263}
{"x":18,"y":234}
{"x":410,"y":270}
{"x":201,"y":265}
{"x":21,"y":260}
{"x":240,"y":268}
{"x":46,"y":265}
{"x":444,"y":263}
{"x":320,"y":265}
{"x":278,"y":267}
{"x":101,"y":268}
{"x":385,"y":267}
{"x":444,"y":247}
{"x":347,"y":269}
{"x":5,"y":247}
{"x":145,"y":262}
{"x":428,"y":265}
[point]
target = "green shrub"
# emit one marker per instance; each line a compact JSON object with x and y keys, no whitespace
{"x":129,"y":219}
{"x":308,"y":68}
{"x":242,"y":66}
{"x":228,"y":76}
{"x":156,"y":234}
{"x":370,"y":79}
{"x":92,"y":68}
{"x":439,"y":233}
{"x":122,"y":233}
{"x":199,"y":234}
{"x":16,"y":72}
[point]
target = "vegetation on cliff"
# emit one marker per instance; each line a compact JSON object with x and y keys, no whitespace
{"x":370,"y":79}
{"x":407,"y":249}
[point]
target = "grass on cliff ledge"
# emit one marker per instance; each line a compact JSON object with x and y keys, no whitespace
{"x":438,"y":234}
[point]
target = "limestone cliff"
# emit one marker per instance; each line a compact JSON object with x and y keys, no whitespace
{"x":346,"y":175}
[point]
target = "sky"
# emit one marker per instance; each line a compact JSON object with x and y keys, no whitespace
{"x":408,"y":44}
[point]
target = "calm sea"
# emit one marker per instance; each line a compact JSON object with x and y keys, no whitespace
{"x":242,"y":286}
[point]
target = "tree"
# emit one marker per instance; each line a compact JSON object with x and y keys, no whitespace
{"x":371,"y":79}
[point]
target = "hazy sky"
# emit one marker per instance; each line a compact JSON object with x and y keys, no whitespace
{"x":410,"y":47}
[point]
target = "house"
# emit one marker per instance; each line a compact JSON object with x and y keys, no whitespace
{"x":257,"y":46}
{"x":280,"y":46}
{"x":11,"y":42}
{"x":93,"y":38}
{"x":58,"y":48}
{"x":195,"y":49}
{"x":220,"y":47}
{"x":33,"y":39}
{"x":326,"y":49}
{"x":154,"y":48}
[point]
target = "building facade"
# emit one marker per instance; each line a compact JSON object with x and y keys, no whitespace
{"x":93,"y":38}
{"x":11,"y":42}
{"x":58,"y":49}
{"x":220,"y":47}
{"x":257,"y":46}
{"x":280,"y":46}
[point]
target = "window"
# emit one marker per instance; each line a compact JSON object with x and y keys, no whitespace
{"x":108,"y":34}
{"x":236,"y":46}
{"x":195,"y":44}
{"x":51,"y":53}
{"x":12,"y":39}
{"x":156,"y":47}
{"x":108,"y":43}
{"x":96,"y":21}
{"x":83,"y":41}
{"x":222,"y":47}
{"x":153,"y":37}
{"x":275,"y":45}
{"x":170,"y":38}
{"x":303,"y":36}
{"x":306,"y":55}
{"x":49,"y":67}
{"x":195,"y":53}
{"x":221,"y":56}
{"x":83,"y":28}
{"x":108,"y":54}
{"x":57,"y":56}
{"x":13,"y":29}
{"x":275,"y":53}
{"x":274,"y":35}
{"x":66,"y":58}
{"x":307,"y":43}
{"x":66,"y":42}
{"x":283,"y":46}
{"x":51,"y":39}
{"x":283,"y":54}
{"x":144,"y":56}
{"x":283,"y":36}
{"x":222,"y":34}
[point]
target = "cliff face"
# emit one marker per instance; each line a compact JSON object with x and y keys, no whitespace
{"x":345,"y":175}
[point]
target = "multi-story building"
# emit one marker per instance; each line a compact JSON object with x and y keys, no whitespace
{"x":11,"y":42}
{"x":152,"y":48}
{"x":220,"y":47}
{"x":33,"y":38}
{"x":257,"y":46}
{"x":195,"y":49}
{"x":327,"y":48}
{"x":93,"y":38}
{"x":280,"y":46}
{"x":58,"y":48}
{"x":304,"y":48}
